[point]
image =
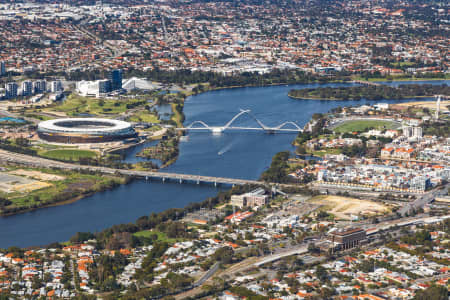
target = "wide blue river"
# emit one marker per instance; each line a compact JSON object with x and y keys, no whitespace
{"x":230,"y":154}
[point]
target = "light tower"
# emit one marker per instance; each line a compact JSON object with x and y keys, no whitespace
{"x":438,"y":107}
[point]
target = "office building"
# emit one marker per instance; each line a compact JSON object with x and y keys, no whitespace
{"x":412,"y":131}
{"x":347,"y":238}
{"x":438,"y":107}
{"x":104,"y":86}
{"x":420,"y":183}
{"x":11,"y":90}
{"x":2,"y":68}
{"x":27,"y":88}
{"x":252,"y":199}
{"x":116,"y":79}
{"x":56,"y":86}
{"x":40,"y":86}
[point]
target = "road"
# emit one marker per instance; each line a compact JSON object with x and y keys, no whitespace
{"x":34,"y":161}
{"x":425,"y":199}
{"x":207,"y":275}
{"x":244,"y":265}
{"x":302,"y":249}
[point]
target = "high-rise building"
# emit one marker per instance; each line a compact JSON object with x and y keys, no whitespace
{"x":2,"y":68}
{"x":438,"y":107}
{"x":56,"y":86}
{"x":11,"y":90}
{"x":412,"y":131}
{"x":40,"y":86}
{"x":420,"y":183}
{"x":27,"y":88}
{"x":104,"y":86}
{"x":116,"y":79}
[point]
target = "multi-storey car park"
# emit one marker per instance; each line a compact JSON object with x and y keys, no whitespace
{"x":84,"y":130}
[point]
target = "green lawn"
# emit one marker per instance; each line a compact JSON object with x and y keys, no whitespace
{"x":162,"y":237}
{"x":177,"y":116}
{"x":74,"y":105}
{"x":69,"y":154}
{"x":364,"y":125}
{"x":321,"y":153}
{"x":144,"y":116}
{"x":38,"y":116}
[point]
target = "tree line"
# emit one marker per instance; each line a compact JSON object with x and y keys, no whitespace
{"x":371,"y":92}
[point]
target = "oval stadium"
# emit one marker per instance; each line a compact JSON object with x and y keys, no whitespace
{"x":84,"y":130}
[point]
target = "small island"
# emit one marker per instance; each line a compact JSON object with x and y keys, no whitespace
{"x":370,"y":92}
{"x":166,"y":151}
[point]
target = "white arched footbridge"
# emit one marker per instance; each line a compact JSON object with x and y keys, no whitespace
{"x":288,"y":126}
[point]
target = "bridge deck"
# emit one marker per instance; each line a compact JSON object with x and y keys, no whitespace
{"x":42,"y":162}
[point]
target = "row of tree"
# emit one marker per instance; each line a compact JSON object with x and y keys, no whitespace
{"x":371,"y":92}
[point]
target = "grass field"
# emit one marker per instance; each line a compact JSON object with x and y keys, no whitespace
{"x":321,"y":153}
{"x":162,"y":237}
{"x":75,"y":105}
{"x":177,"y":117}
{"x":144,"y":116}
{"x":364,"y":125}
{"x":39,"y":117}
{"x":69,"y":154}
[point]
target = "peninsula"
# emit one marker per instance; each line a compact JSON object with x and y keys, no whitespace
{"x":370,"y":92}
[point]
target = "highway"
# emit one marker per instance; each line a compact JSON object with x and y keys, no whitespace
{"x":207,"y":275}
{"x":302,"y":249}
{"x":425,"y":199}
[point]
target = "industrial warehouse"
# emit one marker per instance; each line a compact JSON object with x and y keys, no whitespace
{"x":84,"y":130}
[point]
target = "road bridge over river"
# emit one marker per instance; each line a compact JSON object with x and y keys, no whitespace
{"x":34,"y":161}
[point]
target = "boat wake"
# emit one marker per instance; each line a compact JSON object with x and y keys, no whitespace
{"x":225,"y":149}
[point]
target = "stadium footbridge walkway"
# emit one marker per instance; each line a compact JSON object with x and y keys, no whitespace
{"x":34,"y":161}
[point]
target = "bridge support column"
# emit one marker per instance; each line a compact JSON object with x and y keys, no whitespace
{"x":215,"y":183}
{"x":198,"y":181}
{"x":163,"y":179}
{"x":181,"y":180}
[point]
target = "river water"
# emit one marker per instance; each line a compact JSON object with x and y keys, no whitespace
{"x":234,"y":154}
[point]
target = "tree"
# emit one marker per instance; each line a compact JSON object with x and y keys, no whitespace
{"x":224,"y":255}
{"x":321,"y":273}
{"x":277,"y":171}
{"x":434,"y":292}
{"x":80,"y":237}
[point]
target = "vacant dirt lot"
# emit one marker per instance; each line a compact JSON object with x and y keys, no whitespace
{"x":28,"y":187}
{"x":11,"y":183}
{"x":423,"y":104}
{"x":37,"y":175}
{"x":345,"y":208}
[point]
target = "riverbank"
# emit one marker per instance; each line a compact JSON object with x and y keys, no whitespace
{"x":370,"y":92}
{"x":33,"y":189}
{"x":242,"y":155}
{"x":400,"y":79}
{"x":61,"y":203}
{"x":336,"y":99}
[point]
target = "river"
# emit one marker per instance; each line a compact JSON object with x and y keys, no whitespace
{"x":230,"y":154}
